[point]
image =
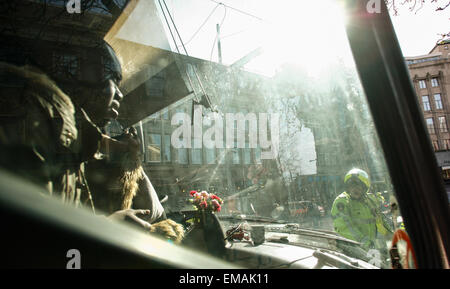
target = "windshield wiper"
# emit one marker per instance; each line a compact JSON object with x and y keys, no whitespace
{"x":251,"y":218}
{"x":338,"y":260}
{"x":296,"y":229}
{"x":338,"y":245}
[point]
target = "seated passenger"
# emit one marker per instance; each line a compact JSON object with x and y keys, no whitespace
{"x":46,"y":136}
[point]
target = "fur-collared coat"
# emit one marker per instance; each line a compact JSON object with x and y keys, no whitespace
{"x":43,"y":136}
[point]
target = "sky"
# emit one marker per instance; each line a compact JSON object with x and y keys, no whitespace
{"x":417,"y":32}
{"x":281,"y":28}
{"x":240,"y":33}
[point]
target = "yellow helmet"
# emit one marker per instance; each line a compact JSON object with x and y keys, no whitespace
{"x":360,"y":174}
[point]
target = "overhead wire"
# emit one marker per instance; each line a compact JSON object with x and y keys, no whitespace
{"x":175,"y":27}
{"x":238,"y":10}
{"x":168,"y":26}
{"x":203,"y":24}
{"x":234,"y":33}
{"x":217,"y":35}
{"x":215,"y":40}
{"x":211,"y":13}
{"x":185,"y":50}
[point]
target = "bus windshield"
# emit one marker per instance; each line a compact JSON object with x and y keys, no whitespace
{"x":272,"y":118}
{"x":252,"y":110}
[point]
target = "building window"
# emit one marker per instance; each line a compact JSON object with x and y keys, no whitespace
{"x":443,"y":124}
{"x":446,"y":144}
{"x":426,"y":103}
{"x":422,"y":84}
{"x":166,"y":150}
{"x":165,"y":114}
{"x":436,"y":145}
{"x":434,"y":82}
{"x":181,"y":109}
{"x":210,"y":155}
{"x":154,"y":87}
{"x":196,"y":151}
{"x":65,"y":65}
{"x":196,"y":155}
{"x":430,"y":125}
{"x":438,"y":101}
{"x":153,"y":147}
{"x":182,"y":156}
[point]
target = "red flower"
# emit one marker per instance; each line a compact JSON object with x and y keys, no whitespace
{"x":214,"y":197}
{"x":216,"y":205}
{"x":192,"y":193}
{"x":203,"y":205}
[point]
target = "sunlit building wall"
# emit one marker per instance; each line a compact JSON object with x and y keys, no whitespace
{"x":430,"y":75}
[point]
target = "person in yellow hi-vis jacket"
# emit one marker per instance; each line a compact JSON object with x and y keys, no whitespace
{"x":356,"y":212}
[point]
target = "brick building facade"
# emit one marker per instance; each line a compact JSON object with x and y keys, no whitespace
{"x":430,"y":75}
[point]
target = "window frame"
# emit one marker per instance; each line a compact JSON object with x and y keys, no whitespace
{"x":438,"y":105}
{"x":422,"y":84}
{"x":434,"y":82}
{"x":430,"y":125}
{"x":148,"y":143}
{"x":441,"y":123}
{"x":426,"y":104}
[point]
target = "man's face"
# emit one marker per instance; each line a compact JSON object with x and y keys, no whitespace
{"x":104,"y":100}
{"x":355,"y":188}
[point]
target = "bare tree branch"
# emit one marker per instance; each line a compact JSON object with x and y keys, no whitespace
{"x":417,"y":5}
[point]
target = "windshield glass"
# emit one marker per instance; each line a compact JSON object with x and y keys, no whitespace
{"x":256,"y":102}
{"x":276,"y":116}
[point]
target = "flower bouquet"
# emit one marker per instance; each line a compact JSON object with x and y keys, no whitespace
{"x":205,"y":205}
{"x":204,"y":222}
{"x":204,"y":201}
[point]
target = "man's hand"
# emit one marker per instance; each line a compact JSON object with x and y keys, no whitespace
{"x":132,"y":141}
{"x":131,"y":215}
{"x":127,"y":143}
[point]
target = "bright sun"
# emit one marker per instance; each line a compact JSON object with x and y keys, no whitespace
{"x":305,"y":33}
